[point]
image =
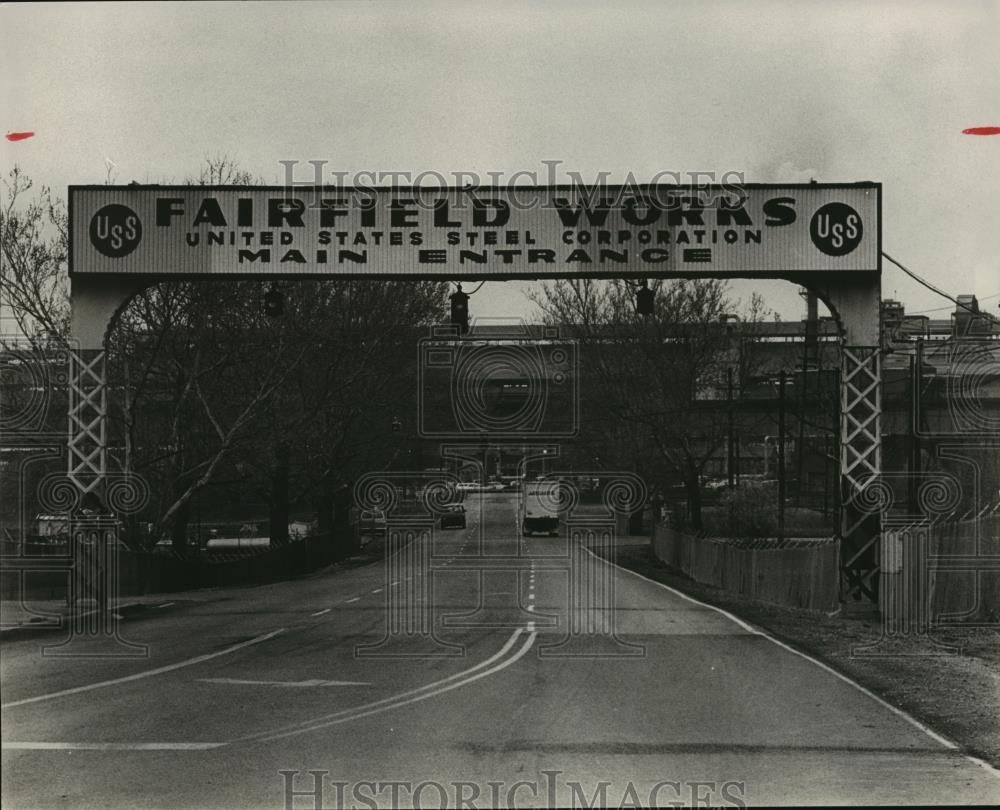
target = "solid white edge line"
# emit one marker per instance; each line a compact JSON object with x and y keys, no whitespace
{"x":106,"y":746}
{"x":268,"y":735}
{"x":400,"y":703}
{"x":145,"y":674}
{"x":864,"y":690}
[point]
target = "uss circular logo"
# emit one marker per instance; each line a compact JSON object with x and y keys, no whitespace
{"x":116,"y":230}
{"x":836,"y":229}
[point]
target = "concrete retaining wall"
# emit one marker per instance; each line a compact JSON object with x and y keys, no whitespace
{"x":796,"y":577}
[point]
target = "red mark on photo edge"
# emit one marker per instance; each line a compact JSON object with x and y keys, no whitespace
{"x":19,"y":136}
{"x":981,"y":131}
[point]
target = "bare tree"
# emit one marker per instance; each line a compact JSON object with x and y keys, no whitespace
{"x":649,"y":382}
{"x":186,"y":388}
{"x":34,"y":285}
{"x":222,"y":170}
{"x":200,"y":381}
{"x":206,"y":384}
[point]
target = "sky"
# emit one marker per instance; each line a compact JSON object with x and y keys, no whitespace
{"x":779,"y":91}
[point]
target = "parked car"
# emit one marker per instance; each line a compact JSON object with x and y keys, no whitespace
{"x":454,"y":518}
{"x":467,"y":486}
{"x":373,"y":522}
{"x":221,"y":544}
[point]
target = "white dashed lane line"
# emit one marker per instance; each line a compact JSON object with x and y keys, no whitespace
{"x":321,"y":612}
{"x":355,"y":599}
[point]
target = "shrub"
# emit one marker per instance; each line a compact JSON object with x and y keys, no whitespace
{"x":751,"y":510}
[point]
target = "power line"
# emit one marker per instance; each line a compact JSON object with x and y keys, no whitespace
{"x":942,"y":309}
{"x":939,"y":291}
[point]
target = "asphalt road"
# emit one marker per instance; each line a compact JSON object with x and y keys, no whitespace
{"x":529,"y":691}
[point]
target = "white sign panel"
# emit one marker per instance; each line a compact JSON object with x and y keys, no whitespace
{"x":765,"y":230}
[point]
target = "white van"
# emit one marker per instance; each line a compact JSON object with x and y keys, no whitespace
{"x":539,"y":501}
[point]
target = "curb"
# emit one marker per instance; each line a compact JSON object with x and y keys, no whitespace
{"x":44,"y":627}
{"x":47,"y":627}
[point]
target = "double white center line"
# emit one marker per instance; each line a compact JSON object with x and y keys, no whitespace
{"x":496,"y":662}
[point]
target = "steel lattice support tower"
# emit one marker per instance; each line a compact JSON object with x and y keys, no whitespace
{"x":860,"y":468}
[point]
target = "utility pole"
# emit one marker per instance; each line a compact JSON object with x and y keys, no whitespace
{"x":810,"y":363}
{"x":838,"y":492}
{"x":916,"y":365}
{"x":781,"y":455}
{"x":826,"y":476}
{"x":730,"y":467}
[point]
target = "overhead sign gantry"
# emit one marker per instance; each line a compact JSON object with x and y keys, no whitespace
{"x":826,"y":237}
{"x":479,"y":233}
